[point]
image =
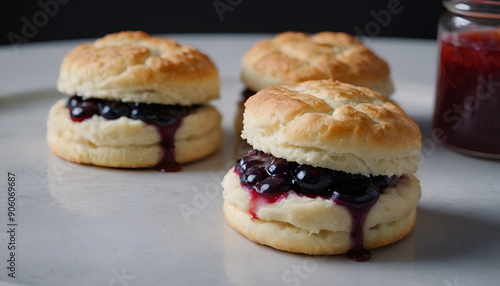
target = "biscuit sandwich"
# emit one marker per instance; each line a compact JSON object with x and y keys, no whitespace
{"x":292,"y":57}
{"x":135,"y":101}
{"x":331,"y":170}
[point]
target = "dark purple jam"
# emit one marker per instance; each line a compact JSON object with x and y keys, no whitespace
{"x":270,"y":179}
{"x":358,"y":254}
{"x":247,"y":93}
{"x":165,"y":118}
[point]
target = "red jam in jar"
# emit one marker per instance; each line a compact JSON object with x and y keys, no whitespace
{"x":468,"y":92}
{"x":467,"y":110}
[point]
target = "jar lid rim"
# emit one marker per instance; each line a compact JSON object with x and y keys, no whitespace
{"x":489,"y":9}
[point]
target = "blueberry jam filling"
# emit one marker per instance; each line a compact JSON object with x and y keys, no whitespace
{"x":165,"y":118}
{"x":270,"y":179}
{"x":247,"y":93}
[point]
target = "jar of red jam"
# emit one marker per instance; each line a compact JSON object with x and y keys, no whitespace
{"x":467,"y":109}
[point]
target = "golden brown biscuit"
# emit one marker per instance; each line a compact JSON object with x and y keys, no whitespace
{"x":331,"y":171}
{"x":129,"y":143}
{"x":136,"y":101}
{"x":137,"y":67}
{"x":294,"y":57}
{"x":333,"y":125}
{"x":317,"y":226}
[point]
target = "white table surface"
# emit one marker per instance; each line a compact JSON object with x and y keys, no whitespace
{"x":82,"y":225}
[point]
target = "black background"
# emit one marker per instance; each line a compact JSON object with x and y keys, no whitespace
{"x":28,"y":21}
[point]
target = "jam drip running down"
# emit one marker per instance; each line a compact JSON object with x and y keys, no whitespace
{"x":270,"y":179}
{"x":165,"y":118}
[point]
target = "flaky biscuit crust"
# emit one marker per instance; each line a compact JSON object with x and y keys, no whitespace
{"x":137,"y":67}
{"x":333,"y":125}
{"x":318,"y":226}
{"x":294,"y":57}
{"x":129,"y":143}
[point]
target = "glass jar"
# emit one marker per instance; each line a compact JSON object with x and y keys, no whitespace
{"x":467,"y":109}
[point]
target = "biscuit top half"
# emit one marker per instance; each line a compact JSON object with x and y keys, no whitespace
{"x":334,"y":125}
{"x":295,"y":57}
{"x":134,"y":66}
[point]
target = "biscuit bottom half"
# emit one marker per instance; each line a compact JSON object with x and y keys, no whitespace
{"x":318,"y":226}
{"x":130,"y":143}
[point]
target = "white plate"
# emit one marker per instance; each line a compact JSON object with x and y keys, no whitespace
{"x":82,"y":225}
